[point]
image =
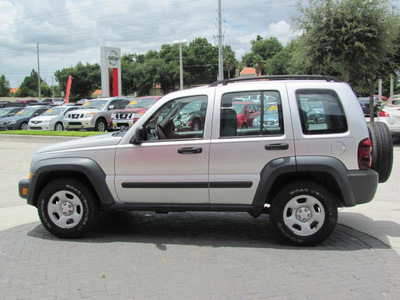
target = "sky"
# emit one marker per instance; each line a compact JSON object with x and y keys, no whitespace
{"x":72,"y":31}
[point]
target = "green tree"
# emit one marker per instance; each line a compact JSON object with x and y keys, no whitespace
{"x":29,"y":87}
{"x":201,"y":61}
{"x":266,"y":48}
{"x":86,"y":78}
{"x":358,"y":38}
{"x":4,"y":86}
{"x":230,"y":62}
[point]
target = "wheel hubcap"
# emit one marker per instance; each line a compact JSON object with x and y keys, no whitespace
{"x":65,"y":209}
{"x":304,"y":215}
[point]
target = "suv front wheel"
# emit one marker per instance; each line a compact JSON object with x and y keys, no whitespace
{"x":101,"y":125}
{"x":304,"y":213}
{"x":67,"y":208}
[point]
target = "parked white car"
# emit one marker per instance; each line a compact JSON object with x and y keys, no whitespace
{"x":51,"y":119}
{"x":390,"y":114}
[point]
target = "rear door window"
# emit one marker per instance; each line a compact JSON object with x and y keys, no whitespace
{"x":321,"y":112}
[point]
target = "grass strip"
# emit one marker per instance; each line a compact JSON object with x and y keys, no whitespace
{"x":51,"y":133}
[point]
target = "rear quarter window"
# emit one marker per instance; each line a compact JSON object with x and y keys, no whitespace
{"x":321,"y":112}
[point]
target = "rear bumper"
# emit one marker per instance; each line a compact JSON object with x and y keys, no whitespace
{"x":363,"y":185}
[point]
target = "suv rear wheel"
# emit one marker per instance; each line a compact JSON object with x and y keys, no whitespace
{"x":304,"y":213}
{"x":67,"y":208}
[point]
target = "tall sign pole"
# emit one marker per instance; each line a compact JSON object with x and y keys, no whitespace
{"x":38,"y":66}
{"x":111,"y":61}
{"x":220,"y":54}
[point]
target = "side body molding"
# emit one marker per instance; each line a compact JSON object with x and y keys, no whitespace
{"x":45,"y":169}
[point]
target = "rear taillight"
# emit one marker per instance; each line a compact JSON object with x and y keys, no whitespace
{"x":384,"y":114}
{"x":364,"y":154}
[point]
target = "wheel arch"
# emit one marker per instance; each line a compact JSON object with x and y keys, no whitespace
{"x":83,"y":169}
{"x":327,"y":171}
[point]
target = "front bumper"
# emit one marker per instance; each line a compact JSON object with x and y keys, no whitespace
{"x":83,"y":123}
{"x":122,"y":123}
{"x":23,"y":188}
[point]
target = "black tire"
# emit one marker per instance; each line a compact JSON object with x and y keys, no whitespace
{"x":67,"y":208}
{"x":23,"y":126}
{"x":59,"y":127}
{"x":303,"y":213}
{"x":101,"y":125}
{"x":382,"y":149}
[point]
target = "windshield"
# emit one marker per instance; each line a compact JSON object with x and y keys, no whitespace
{"x":54,"y":111}
{"x":25,"y":113}
{"x":4,"y":112}
{"x":141,"y":103}
{"x":98,"y":104}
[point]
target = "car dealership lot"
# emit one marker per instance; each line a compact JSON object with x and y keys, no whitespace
{"x":193,"y":255}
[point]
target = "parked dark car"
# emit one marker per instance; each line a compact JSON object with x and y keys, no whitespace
{"x":3,"y":103}
{"x":20,"y":120}
{"x":17,"y":104}
{"x":27,"y":101}
{"x":50,"y":101}
{"x":9,"y":111}
{"x":365,"y":105}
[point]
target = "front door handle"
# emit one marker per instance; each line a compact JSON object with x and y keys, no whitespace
{"x":282,"y":146}
{"x":190,"y":150}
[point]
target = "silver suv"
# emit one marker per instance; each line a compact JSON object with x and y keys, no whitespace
{"x":290,"y":165}
{"x":94,"y":114}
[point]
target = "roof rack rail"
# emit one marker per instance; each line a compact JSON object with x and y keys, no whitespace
{"x":278,"y":77}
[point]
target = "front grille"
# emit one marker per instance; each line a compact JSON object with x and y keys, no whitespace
{"x":123,"y":116}
{"x":36,"y":122}
{"x":75,"y":116}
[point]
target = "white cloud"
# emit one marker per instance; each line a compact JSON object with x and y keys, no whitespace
{"x":69,"y":31}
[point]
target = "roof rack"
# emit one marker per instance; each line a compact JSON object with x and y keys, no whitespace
{"x":278,"y":77}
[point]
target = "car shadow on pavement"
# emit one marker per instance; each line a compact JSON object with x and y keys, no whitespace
{"x":205,"y":230}
{"x":383,"y":230}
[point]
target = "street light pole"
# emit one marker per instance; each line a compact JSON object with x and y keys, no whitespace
{"x":180,"y":43}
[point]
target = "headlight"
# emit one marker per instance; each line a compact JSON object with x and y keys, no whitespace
{"x":137,"y":116}
{"x":12,"y":122}
{"x":112,"y":115}
{"x":89,"y":115}
{"x":47,"y":121}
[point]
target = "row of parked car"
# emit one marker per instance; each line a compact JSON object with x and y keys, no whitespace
{"x":96,"y":114}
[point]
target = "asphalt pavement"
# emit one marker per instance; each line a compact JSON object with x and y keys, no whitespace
{"x":144,"y":255}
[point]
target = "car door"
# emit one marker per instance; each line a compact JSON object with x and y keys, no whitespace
{"x":171,"y":165}
{"x":238,"y":155}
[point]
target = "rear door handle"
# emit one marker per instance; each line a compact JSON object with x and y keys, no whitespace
{"x":282,"y":146}
{"x":190,"y":150}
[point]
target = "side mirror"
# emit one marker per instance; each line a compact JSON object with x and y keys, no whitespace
{"x":111,"y":107}
{"x":139,"y":136}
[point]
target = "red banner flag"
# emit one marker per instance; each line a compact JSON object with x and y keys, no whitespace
{"x":69,"y":82}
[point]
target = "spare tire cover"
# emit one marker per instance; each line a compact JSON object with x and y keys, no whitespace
{"x":382,"y":149}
